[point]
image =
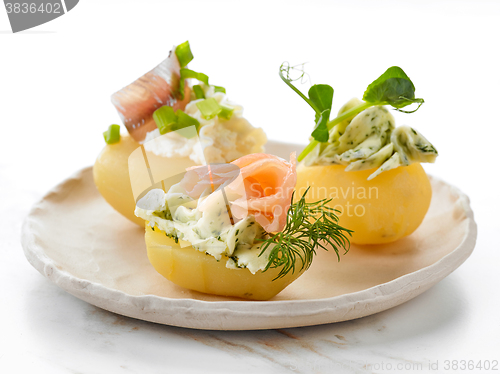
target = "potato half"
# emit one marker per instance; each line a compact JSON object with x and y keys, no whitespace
{"x":381,"y":210}
{"x":111,"y":177}
{"x":112,"y":172}
{"x":195,"y":270}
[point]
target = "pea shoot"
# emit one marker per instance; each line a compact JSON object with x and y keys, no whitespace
{"x":392,"y":88}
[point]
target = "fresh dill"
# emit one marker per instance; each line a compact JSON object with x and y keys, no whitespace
{"x":308,"y":226}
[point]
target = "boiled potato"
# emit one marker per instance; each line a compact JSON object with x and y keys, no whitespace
{"x":111,"y":177}
{"x":384,"y":209}
{"x":195,"y":270}
{"x":112,"y":174}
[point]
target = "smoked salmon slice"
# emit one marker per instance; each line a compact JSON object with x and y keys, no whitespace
{"x":259,"y":184}
{"x":269,"y":183}
{"x":198,"y":179}
{"x":136,"y":102}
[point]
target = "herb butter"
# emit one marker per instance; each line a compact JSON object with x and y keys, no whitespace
{"x":371,"y":140}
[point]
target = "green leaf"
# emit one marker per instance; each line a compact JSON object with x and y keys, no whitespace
{"x":184,"y":54}
{"x":198,"y":91}
{"x":165,"y":119}
{"x":219,"y":89}
{"x":320,"y":132}
{"x":112,"y":134}
{"x":320,"y":99}
{"x":322,"y":96}
{"x":394,"y":88}
{"x":209,"y":108}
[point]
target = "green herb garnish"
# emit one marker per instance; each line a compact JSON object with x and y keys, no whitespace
{"x":320,"y":132}
{"x":226,"y":112}
{"x":166,"y":120}
{"x":112,"y":134}
{"x":185,"y":120}
{"x":320,"y":99}
{"x":308,"y":226}
{"x":165,"y":214}
{"x":209,"y":108}
{"x":184,"y":54}
{"x":198,"y":91}
{"x":187,"y":73}
{"x":322,"y":96}
{"x":219,"y":89}
{"x":392,"y":88}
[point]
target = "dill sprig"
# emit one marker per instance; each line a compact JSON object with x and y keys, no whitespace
{"x":308,"y":226}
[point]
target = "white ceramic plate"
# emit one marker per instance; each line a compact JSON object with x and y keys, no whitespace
{"x":74,"y":238}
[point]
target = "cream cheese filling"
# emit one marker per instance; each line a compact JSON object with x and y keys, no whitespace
{"x":222,"y":140}
{"x":209,"y":229}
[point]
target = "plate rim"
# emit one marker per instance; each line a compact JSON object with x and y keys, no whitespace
{"x":86,"y":289}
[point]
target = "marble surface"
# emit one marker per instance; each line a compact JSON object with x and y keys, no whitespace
{"x":55,"y":105}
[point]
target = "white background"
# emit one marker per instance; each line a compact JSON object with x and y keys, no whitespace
{"x":55,"y":84}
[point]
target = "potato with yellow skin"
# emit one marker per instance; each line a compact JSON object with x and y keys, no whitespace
{"x":189,"y":268}
{"x":111,"y":177}
{"x":112,"y":174}
{"x":382,"y":210}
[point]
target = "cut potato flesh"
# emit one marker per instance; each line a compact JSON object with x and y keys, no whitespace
{"x":384,"y":209}
{"x":195,"y":270}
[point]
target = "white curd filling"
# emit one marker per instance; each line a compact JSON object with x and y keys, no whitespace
{"x":222,"y":140}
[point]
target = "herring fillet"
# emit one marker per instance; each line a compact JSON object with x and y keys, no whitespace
{"x":136,"y":102}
